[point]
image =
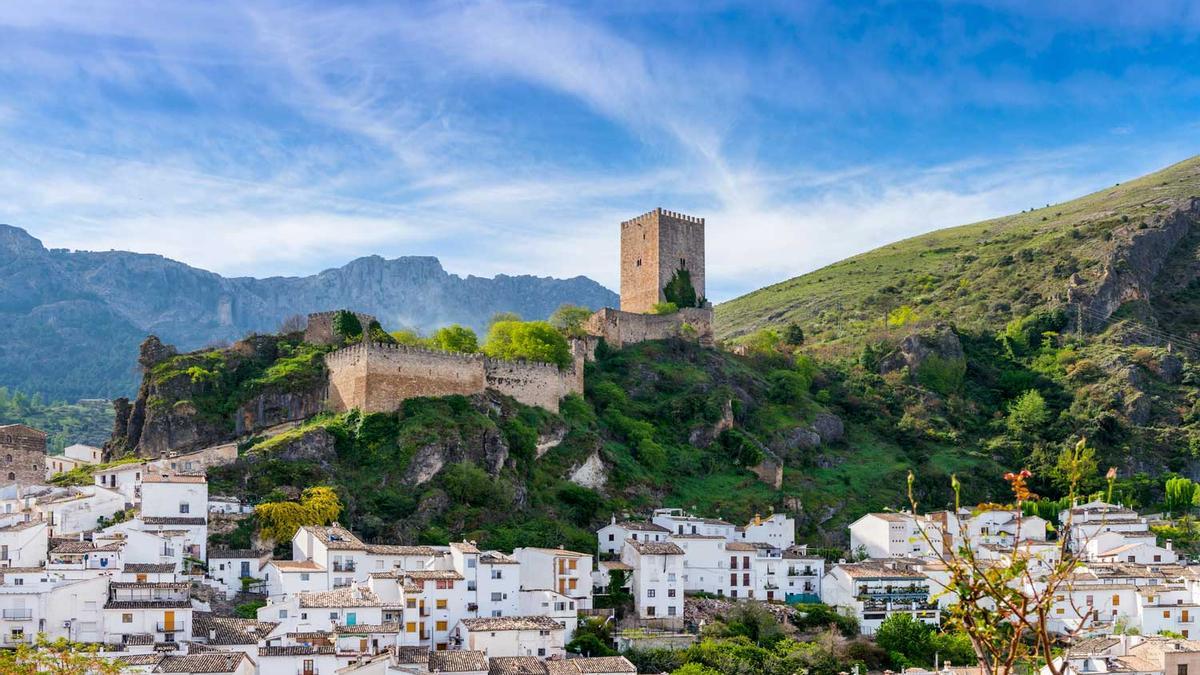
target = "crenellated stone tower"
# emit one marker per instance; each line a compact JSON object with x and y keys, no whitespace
{"x":654,"y":247}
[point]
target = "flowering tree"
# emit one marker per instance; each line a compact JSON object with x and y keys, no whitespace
{"x":1007,"y":607}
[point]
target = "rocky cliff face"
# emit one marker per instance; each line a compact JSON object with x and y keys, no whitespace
{"x":71,"y":321}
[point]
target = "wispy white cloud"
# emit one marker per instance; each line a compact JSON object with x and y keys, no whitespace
{"x":510,"y":137}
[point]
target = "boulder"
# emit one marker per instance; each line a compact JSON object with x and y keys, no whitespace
{"x":829,"y":427}
{"x":917,"y":348}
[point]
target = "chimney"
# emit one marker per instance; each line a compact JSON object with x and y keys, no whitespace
{"x":212,"y":634}
{"x":229,"y":662}
{"x":1169,"y":545}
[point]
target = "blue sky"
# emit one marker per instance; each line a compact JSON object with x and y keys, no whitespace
{"x":261,"y":138}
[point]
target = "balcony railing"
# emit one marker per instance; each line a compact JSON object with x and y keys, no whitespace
{"x":10,"y":639}
{"x":347,"y":566}
{"x":18,"y":614}
{"x":172,"y":627}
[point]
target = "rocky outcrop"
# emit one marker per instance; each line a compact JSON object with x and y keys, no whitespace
{"x":65,"y":314}
{"x":167,"y":417}
{"x":591,"y":474}
{"x":276,"y":407}
{"x":917,"y":349}
{"x":1130,"y":271}
{"x":312,"y":444}
{"x":829,"y":427}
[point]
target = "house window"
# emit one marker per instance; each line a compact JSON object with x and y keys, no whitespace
{"x":126,"y":618}
{"x":441,"y":603}
{"x":304,"y":616}
{"x":470,"y":563}
{"x":333,"y":615}
{"x":733,"y":562}
{"x":1116,"y":600}
{"x":411,"y":603}
{"x":497,"y":574}
{"x":635,"y":536}
{"x":440,"y":625}
{"x":185,"y":507}
{"x":497,"y":597}
{"x":410,"y":627}
{"x":1181,"y":669}
{"x":610,"y":537}
{"x":733,"y":579}
{"x":650,"y":593}
{"x":670,"y":592}
{"x":650,"y":610}
{"x":541,"y":651}
{"x":283,"y":613}
{"x":671,"y":610}
{"x":304,"y":576}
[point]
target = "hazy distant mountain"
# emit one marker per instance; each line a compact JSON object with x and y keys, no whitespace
{"x":70,"y":321}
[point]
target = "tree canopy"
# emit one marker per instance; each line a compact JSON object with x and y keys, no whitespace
{"x":530,"y":340}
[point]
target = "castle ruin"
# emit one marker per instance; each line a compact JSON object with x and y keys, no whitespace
{"x":656,"y":248}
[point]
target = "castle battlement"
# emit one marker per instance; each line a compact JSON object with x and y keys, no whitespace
{"x":664,"y":212}
{"x":358,"y":348}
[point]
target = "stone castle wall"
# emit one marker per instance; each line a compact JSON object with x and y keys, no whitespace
{"x":653,"y":246}
{"x":378,"y":378}
{"x":319,"y":330}
{"x":22,"y":455}
{"x":620,"y":328}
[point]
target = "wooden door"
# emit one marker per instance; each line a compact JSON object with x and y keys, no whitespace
{"x":169,"y":621}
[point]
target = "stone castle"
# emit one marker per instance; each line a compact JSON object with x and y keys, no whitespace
{"x":377,"y":377}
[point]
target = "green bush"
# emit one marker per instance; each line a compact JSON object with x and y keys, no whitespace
{"x":249,"y":610}
{"x":347,"y":326}
{"x":941,"y":374}
{"x":664,"y":308}
{"x":529,"y":340}
{"x":455,"y":338}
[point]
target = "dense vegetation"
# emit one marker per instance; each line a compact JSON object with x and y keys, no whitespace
{"x":88,"y":422}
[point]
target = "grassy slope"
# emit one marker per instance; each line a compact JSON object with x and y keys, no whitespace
{"x":977,"y":276}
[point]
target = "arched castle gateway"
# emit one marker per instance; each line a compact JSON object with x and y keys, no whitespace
{"x":662,"y":258}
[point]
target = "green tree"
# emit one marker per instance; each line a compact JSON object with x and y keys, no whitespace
{"x":409,"y":338}
{"x":1028,"y":414}
{"x":530,"y":340}
{"x":793,"y":335}
{"x":1180,"y":495}
{"x":569,"y":320}
{"x":764,"y":342}
{"x":679,"y":289}
{"x":455,"y":338}
{"x":901,"y":634}
{"x":347,"y":326}
{"x":1076,"y":468}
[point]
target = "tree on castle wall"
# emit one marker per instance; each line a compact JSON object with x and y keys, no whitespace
{"x":455,"y":338}
{"x":529,"y":340}
{"x":569,"y":320}
{"x":347,"y":326}
{"x":679,"y":290}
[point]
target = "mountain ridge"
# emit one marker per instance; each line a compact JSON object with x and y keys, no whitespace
{"x":73,"y":319}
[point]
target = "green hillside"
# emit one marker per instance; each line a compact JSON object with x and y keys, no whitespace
{"x":980,"y":276}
